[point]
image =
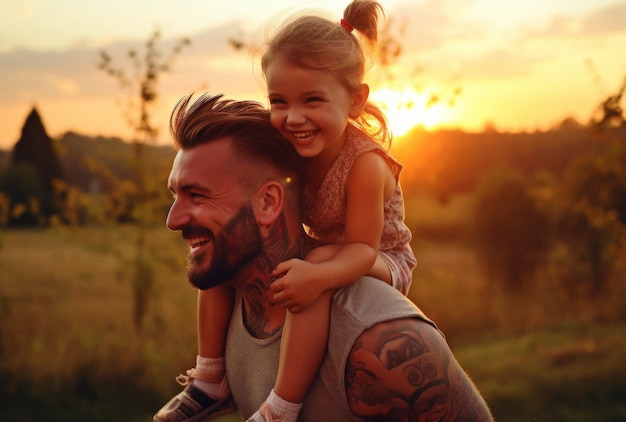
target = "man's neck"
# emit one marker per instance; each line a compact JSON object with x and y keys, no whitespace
{"x":262,"y":317}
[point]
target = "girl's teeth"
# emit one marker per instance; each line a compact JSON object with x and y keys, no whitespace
{"x":304,"y":136}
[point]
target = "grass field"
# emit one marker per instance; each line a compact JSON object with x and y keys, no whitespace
{"x":69,"y":350}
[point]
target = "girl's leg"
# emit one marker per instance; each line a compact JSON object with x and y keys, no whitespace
{"x":302,"y":348}
{"x":380,"y":270}
{"x":304,"y":339}
{"x":215,"y":307}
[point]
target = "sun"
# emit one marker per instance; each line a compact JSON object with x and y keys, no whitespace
{"x":407,"y":108}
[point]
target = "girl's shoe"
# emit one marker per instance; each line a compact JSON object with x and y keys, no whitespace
{"x":192,"y":405}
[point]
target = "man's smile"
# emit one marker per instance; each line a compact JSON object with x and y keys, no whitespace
{"x":196,"y":243}
{"x":197,"y":240}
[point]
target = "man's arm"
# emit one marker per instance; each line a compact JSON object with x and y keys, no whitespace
{"x":403,"y":370}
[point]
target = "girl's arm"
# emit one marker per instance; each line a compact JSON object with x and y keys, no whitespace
{"x":369,"y":184}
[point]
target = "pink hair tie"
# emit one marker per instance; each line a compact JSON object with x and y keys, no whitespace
{"x":346,"y":25}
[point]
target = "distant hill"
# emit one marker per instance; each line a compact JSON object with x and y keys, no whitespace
{"x":98,"y":162}
{"x":440,"y":162}
{"x":450,"y":161}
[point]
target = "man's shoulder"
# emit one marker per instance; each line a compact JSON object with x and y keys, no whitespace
{"x":403,"y":368}
{"x":370,"y":301}
{"x":355,"y":312}
{"x":387,"y":360}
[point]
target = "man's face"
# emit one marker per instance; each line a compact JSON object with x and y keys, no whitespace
{"x":213,"y":213}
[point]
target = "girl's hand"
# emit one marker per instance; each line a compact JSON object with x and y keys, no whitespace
{"x":297,"y":285}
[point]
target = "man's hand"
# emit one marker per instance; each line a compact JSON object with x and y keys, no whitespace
{"x":297,"y":284}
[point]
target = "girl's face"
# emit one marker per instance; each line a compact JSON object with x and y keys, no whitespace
{"x":311,"y":107}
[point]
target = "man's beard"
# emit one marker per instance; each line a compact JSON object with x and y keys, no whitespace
{"x":234,"y":247}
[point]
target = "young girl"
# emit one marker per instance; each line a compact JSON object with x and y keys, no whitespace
{"x":352,"y":201}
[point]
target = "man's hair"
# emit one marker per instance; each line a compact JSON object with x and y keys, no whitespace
{"x":245,"y":123}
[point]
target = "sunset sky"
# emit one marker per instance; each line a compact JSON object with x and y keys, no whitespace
{"x":514,"y":65}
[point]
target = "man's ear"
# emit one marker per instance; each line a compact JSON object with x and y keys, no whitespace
{"x":268,"y":203}
{"x":359,"y":98}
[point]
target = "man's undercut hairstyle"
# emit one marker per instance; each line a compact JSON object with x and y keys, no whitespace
{"x":246,"y":123}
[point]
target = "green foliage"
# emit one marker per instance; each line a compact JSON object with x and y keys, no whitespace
{"x":67,"y":326}
{"x":102,"y":171}
{"x":5,"y":207}
{"x":143,"y":283}
{"x":23,"y":187}
{"x":589,"y":224}
{"x":593,"y":204}
{"x":512,"y":234}
{"x":567,"y":372}
{"x":609,"y":112}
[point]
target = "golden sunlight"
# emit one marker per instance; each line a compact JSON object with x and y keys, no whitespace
{"x":407,"y":108}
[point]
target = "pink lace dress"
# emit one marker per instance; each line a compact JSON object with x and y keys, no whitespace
{"x":324,"y":211}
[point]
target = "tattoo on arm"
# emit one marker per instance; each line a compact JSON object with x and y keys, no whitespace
{"x":404,"y":371}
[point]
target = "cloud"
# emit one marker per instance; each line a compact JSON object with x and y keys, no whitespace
{"x":606,"y":21}
{"x":31,"y":75}
{"x":432,"y":24}
{"x":499,"y":64}
{"x":25,"y":74}
{"x":609,"y":20}
{"x":448,"y":38}
{"x":480,"y":49}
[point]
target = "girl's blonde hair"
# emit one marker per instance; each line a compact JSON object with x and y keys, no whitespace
{"x":316,"y":43}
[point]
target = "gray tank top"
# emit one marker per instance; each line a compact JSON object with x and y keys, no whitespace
{"x":252,"y":364}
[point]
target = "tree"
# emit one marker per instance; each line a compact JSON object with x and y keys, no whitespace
{"x":35,"y":150}
{"x":609,"y":112}
{"x":147,"y":68}
{"x":593,"y":218}
{"x":511,"y":232}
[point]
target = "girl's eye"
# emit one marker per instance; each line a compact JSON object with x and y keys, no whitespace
{"x":313,"y":99}
{"x":274,"y":101}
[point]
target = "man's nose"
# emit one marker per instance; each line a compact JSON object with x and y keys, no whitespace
{"x":177,"y":217}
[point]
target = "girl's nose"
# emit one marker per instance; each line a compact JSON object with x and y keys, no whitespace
{"x":295,"y":116}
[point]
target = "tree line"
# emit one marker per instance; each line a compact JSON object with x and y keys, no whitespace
{"x":562,"y":189}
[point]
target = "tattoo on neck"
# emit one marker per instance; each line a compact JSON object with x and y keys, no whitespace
{"x":255,"y":282}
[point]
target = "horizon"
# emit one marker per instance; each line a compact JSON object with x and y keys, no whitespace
{"x":416,"y":130}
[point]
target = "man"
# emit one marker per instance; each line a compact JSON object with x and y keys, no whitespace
{"x":236,"y":191}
